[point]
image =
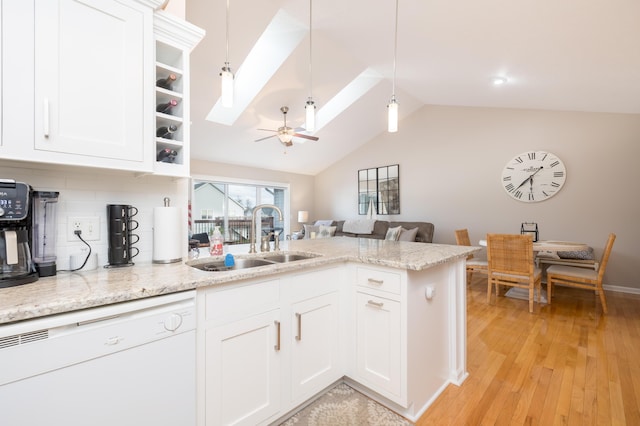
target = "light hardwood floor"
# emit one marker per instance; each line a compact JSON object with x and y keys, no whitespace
{"x":566,"y":363}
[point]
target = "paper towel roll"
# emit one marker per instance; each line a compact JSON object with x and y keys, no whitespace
{"x":167,"y":226}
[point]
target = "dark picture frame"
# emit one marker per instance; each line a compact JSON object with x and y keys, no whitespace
{"x":382,"y":186}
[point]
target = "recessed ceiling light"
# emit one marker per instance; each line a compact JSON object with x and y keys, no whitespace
{"x":497,"y":81}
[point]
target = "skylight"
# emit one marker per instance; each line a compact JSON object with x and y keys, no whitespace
{"x":274,"y":46}
{"x":360,"y":85}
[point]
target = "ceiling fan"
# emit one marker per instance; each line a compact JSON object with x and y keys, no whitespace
{"x":285,"y":133}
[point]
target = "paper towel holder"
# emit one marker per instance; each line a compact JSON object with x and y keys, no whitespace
{"x":166,"y":244}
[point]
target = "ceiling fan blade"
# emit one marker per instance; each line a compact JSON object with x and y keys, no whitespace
{"x":300,"y":135}
{"x":267,"y":137}
{"x":268,"y":130}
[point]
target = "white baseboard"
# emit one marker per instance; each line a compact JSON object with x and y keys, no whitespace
{"x":621,"y":289}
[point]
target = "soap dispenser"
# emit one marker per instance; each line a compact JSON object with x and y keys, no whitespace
{"x":217,"y":242}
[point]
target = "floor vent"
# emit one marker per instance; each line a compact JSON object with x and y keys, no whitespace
{"x":21,"y":339}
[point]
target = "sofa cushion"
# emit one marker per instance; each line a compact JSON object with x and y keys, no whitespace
{"x":393,"y":233}
{"x":423,"y":235}
{"x":326,"y":231}
{"x":408,"y":234}
{"x":425,"y":230}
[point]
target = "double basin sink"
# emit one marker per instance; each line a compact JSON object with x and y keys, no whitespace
{"x":244,"y":263}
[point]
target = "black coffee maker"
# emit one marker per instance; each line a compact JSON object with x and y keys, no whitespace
{"x":121,"y":237}
{"x":16,"y":265}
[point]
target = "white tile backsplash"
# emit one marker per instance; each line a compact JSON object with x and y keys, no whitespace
{"x":86,"y":192}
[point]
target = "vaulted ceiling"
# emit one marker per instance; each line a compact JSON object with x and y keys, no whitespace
{"x":580,"y":55}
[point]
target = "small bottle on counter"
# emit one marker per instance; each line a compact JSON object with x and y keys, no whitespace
{"x":217,"y":242}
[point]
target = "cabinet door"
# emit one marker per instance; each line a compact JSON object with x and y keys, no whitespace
{"x":91,"y":58}
{"x":315,"y":345}
{"x":242,"y":369}
{"x":378,"y":350}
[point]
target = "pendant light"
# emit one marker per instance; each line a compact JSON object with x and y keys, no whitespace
{"x":310,"y":107}
{"x":226,"y":74}
{"x":392,"y":107}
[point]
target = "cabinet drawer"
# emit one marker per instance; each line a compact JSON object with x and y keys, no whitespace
{"x":241,"y":300}
{"x":379,"y":280}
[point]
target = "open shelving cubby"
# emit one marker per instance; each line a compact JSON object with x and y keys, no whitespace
{"x":174,"y":40}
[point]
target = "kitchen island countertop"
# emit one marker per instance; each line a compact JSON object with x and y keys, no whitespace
{"x":80,"y":290}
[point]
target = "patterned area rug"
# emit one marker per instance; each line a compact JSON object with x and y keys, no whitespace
{"x":344,"y":406}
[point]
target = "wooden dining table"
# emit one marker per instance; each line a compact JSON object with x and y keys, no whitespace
{"x":552,"y":245}
{"x":538,"y":246}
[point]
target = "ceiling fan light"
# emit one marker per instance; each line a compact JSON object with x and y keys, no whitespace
{"x":285,"y":137}
{"x":227,"y":86}
{"x":310,"y":116}
{"x":392,"y":115}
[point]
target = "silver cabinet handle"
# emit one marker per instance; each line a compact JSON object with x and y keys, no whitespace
{"x":45,"y":121}
{"x":374,"y":281}
{"x":299,"y":318}
{"x":277,"y":345}
{"x":376,"y":304}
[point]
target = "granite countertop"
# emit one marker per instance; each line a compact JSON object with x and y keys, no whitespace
{"x":80,"y":290}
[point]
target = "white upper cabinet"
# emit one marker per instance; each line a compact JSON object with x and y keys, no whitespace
{"x":91,"y":100}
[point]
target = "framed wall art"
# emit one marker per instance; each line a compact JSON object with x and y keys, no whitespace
{"x":380,"y":185}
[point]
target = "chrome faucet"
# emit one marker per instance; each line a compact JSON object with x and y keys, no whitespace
{"x":252,"y":234}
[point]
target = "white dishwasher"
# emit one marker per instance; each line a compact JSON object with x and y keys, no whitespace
{"x":131,"y":363}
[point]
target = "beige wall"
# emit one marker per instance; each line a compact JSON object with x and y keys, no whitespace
{"x":451,"y":160}
{"x":301,"y":186}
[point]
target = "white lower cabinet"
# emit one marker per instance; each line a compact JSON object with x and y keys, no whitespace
{"x":243,"y":370}
{"x":266,"y":346}
{"x":378,"y":344}
{"x":315,"y":361}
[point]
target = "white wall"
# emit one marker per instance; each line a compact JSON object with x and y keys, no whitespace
{"x":86,"y":192}
{"x":451,"y":160}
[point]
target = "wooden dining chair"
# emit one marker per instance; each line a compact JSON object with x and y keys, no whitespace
{"x":510,"y":263}
{"x":473,"y":264}
{"x":581,"y":277}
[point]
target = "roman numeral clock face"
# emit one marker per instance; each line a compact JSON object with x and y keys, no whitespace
{"x":533,"y":176}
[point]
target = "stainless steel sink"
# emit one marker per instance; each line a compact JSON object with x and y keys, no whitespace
{"x":218,"y":265}
{"x":244,"y":263}
{"x":288,"y":257}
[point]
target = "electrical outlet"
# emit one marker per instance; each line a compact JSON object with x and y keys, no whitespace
{"x":89,"y":225}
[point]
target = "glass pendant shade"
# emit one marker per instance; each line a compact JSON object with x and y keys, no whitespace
{"x":227,"y":87}
{"x":392,"y":111}
{"x":285,"y":137}
{"x":310,"y":116}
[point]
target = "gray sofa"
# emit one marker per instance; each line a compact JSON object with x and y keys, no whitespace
{"x":424,"y":234}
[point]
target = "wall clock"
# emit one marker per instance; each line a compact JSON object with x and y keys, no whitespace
{"x":533,"y":176}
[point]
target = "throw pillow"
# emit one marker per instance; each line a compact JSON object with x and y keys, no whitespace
{"x":393,"y":233}
{"x":326,"y":231}
{"x":548,"y":254}
{"x":578,"y":254}
{"x":325,"y":222}
{"x":408,"y":234}
{"x":309,"y":229}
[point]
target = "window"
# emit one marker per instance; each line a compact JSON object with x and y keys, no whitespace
{"x":206,"y":214}
{"x":230,"y":205}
